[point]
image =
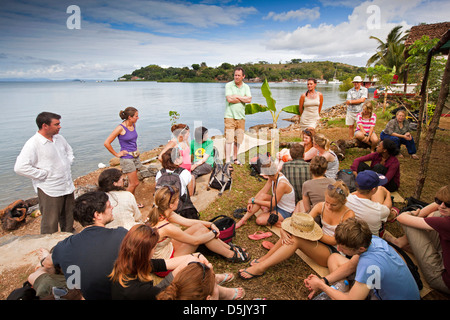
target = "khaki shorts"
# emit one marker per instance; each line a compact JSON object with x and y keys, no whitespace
{"x":350,"y":118}
{"x":234,"y":130}
{"x":130,"y":165}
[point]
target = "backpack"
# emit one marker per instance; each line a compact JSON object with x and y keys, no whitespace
{"x":185,"y":206}
{"x":14,"y":215}
{"x":413,"y":204}
{"x":226,"y":226}
{"x":257,"y":161}
{"x":220,"y":177}
{"x":347,"y":176}
{"x":26,"y":292}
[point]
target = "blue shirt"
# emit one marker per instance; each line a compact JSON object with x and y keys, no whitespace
{"x":382,"y":268}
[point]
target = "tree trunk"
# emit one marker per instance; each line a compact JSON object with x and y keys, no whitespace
{"x":443,"y":94}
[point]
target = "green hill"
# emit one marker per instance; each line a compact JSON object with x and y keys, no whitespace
{"x":296,"y":69}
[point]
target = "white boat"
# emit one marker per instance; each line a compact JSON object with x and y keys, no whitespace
{"x":321,"y":81}
{"x":397,"y":89}
{"x":334,"y":81}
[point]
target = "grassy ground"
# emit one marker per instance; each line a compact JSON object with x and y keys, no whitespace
{"x":285,"y":280}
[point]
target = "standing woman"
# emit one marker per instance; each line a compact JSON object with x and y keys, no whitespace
{"x":310,"y":105}
{"x":129,"y":155}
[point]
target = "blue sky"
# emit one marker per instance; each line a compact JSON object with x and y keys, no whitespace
{"x":116,"y":37}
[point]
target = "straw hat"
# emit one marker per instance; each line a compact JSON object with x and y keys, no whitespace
{"x":357,"y":79}
{"x":303,"y":226}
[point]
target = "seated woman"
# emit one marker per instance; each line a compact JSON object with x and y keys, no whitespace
{"x":365,"y":125}
{"x":313,"y":190}
{"x":131,"y":276}
{"x":197,"y":281}
{"x":177,"y":241}
{"x":180,"y":140}
{"x":173,"y":173}
{"x":308,"y":143}
{"x":125,"y":208}
{"x":301,"y":232}
{"x":277,"y":194}
{"x":398,"y":131}
{"x":426,"y":235}
{"x":384,"y":161}
{"x":202,"y":150}
{"x":322,"y":145}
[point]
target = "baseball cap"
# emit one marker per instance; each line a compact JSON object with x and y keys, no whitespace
{"x":368,"y":179}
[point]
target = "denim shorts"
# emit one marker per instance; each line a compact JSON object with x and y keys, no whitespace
{"x":285,"y":214}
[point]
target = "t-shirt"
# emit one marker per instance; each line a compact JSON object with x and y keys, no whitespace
{"x":87,"y":258}
{"x":382,"y":269}
{"x":199,"y":150}
{"x":137,"y":290}
{"x":236,"y":110}
{"x":372,"y":212}
{"x":315,"y":189}
{"x":354,"y":94}
{"x":442,"y":226}
{"x":367,"y":123}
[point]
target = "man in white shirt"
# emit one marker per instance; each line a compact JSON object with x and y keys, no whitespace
{"x":371,"y":202}
{"x":355,"y":99}
{"x":46,"y":159}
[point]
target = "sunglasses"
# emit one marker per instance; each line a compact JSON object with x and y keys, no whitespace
{"x":338,"y":190}
{"x":309,"y":133}
{"x":204,"y":267}
{"x":439,"y":202}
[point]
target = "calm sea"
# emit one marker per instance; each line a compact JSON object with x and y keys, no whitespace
{"x":90,"y":111}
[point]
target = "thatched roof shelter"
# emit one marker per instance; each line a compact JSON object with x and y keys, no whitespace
{"x":435,"y":30}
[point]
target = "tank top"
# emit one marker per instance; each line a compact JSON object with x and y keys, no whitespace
{"x":164,"y":247}
{"x":329,"y":229}
{"x":287,"y":201}
{"x":128,"y":141}
{"x":186,"y":156}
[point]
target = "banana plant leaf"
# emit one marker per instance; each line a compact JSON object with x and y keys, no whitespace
{"x":252,"y":108}
{"x":265,"y":90}
{"x":292,"y":109}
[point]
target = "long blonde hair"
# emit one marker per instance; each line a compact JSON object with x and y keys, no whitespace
{"x":164,"y":197}
{"x":322,"y":141}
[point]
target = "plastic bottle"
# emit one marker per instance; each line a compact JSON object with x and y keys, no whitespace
{"x":340,"y":285}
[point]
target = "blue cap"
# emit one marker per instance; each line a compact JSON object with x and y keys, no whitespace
{"x":369,"y":179}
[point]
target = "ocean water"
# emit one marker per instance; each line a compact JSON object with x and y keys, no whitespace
{"x":90,"y":111}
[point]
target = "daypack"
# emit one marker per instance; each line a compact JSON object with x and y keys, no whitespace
{"x":257,"y":161}
{"x":226,"y":226}
{"x":413,"y":204}
{"x":347,"y":176}
{"x":14,"y":215}
{"x":220,"y":177}
{"x":185,"y":206}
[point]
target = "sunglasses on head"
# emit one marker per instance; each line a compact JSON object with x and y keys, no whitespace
{"x":309,"y":133}
{"x":439,"y":202}
{"x":204,"y":267}
{"x":338,"y":190}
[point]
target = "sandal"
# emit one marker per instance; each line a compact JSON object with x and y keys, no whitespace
{"x":237,"y":162}
{"x":238,"y":296}
{"x":239,"y":213}
{"x":258,"y":235}
{"x":228,"y":278}
{"x":252,"y":276}
{"x":267,"y":245}
{"x":140,"y":205}
{"x":240,"y":255}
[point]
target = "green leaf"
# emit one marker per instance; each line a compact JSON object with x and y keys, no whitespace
{"x":292,"y":109}
{"x":265,"y":89}
{"x":252,"y":108}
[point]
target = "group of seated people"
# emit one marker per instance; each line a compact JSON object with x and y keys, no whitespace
{"x":117,"y":254}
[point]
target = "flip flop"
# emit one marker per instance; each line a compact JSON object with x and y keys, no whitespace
{"x":237,"y":162}
{"x":258,"y":235}
{"x":267,"y":245}
{"x":252,"y":276}
{"x":140,"y":205}
{"x":228,"y":278}
{"x":236,"y":294}
{"x":239,"y":213}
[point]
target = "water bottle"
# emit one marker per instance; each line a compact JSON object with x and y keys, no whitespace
{"x":340,"y":285}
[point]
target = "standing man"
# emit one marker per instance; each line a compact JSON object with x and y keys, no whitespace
{"x":237,"y":95}
{"x":355,"y":99}
{"x":46,"y":159}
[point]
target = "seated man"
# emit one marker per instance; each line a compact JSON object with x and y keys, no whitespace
{"x":297,"y":170}
{"x":202,"y":149}
{"x":380,"y":271}
{"x":371,"y":202}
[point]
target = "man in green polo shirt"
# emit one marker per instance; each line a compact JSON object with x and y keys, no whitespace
{"x":237,"y":96}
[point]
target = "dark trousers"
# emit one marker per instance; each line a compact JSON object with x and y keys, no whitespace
{"x":391,"y":186}
{"x":410,"y":144}
{"x":56,"y":211}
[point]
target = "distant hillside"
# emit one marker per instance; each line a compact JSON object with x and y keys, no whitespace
{"x":296,"y":69}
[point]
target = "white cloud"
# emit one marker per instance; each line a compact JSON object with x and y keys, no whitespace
{"x":301,"y":14}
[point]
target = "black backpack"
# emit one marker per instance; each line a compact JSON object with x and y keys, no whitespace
{"x":185,"y":206}
{"x":220,"y":177}
{"x":257,"y":161}
{"x":347,"y":176}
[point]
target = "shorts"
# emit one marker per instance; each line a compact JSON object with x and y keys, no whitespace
{"x":234,"y":130}
{"x":350,"y":118}
{"x":130,"y":165}
{"x":201,"y":170}
{"x":285,"y":214}
{"x":46,"y":281}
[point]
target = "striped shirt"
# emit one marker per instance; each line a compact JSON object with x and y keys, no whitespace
{"x":367,"y":123}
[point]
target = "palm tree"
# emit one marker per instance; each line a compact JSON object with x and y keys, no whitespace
{"x":392,"y":52}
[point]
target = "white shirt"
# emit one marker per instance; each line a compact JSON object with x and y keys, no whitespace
{"x":185,"y":178}
{"x":47,"y":163}
{"x":125,"y":210}
{"x":372,"y":212}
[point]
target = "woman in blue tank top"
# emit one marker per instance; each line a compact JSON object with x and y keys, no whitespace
{"x":128,"y":154}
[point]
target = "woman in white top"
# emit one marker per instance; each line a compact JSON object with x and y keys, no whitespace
{"x":331,"y":212}
{"x":281,"y":199}
{"x":125,"y":208}
{"x":310,"y":105}
{"x":322,"y":144}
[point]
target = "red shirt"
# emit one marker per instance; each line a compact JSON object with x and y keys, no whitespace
{"x":392,"y":164}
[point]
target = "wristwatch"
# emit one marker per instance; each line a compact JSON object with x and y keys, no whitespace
{"x":253,"y":200}
{"x":215,"y":233}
